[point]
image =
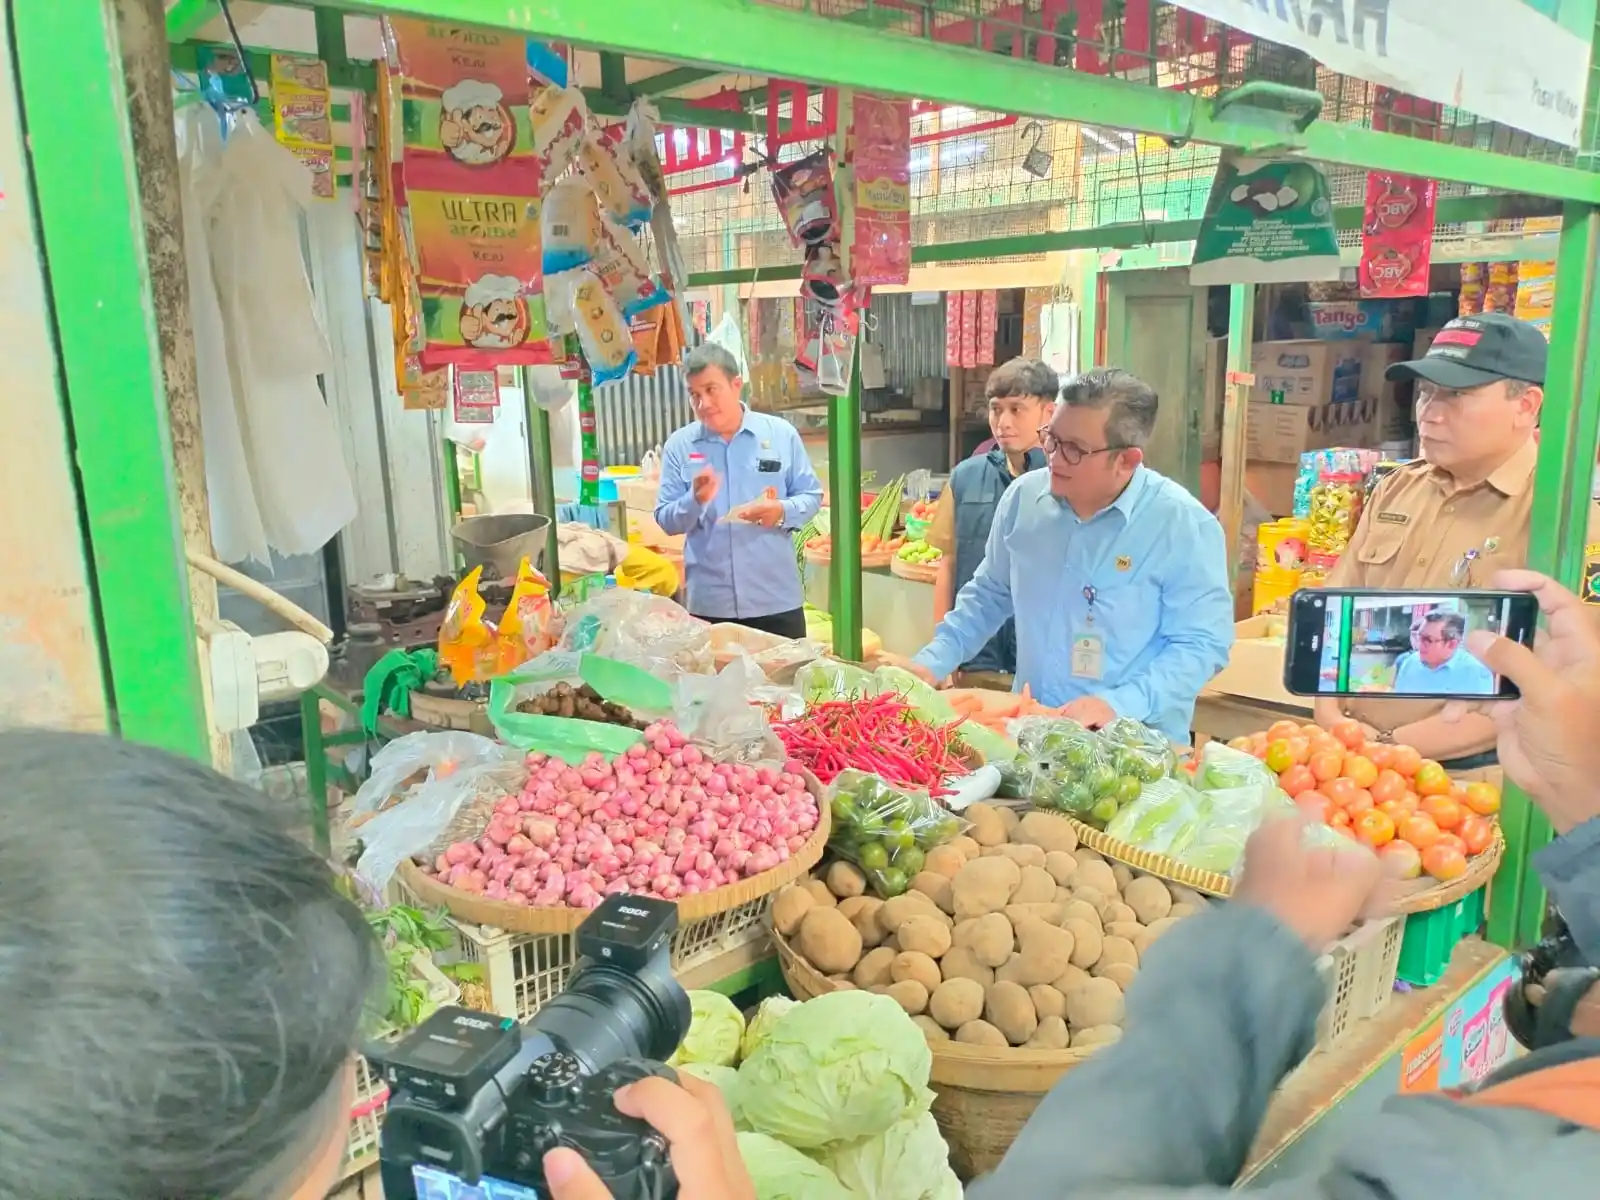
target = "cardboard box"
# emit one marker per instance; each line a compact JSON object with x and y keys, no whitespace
{"x":1395,"y":422}
{"x":1281,"y":433}
{"x":1255,"y":664}
{"x":1377,"y":320}
{"x":638,"y":498}
{"x":1307,"y":372}
{"x":1272,"y":484}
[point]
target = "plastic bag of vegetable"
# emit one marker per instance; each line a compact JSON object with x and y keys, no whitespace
{"x":830,"y":679}
{"x":885,"y":830}
{"x":1165,"y":819}
{"x":651,"y":632}
{"x":922,"y":697}
{"x":718,"y":713}
{"x":909,"y":1161}
{"x":1063,"y":766}
{"x":1138,"y":750}
{"x":843,"y":1066}
{"x":781,"y":1172}
{"x":571,"y":739}
{"x":715,"y":1028}
{"x":1234,"y":814}
{"x":773,"y":1009}
{"x":1221,"y":766}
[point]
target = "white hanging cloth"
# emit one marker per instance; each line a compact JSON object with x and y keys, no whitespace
{"x":275,"y":347}
{"x":237,"y":533}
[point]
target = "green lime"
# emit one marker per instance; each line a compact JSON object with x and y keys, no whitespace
{"x":1077,"y":799}
{"x":1080,"y":757}
{"x":892,"y":881}
{"x":898,"y":837}
{"x":1102,"y":812}
{"x":874,"y":856}
{"x":1102,"y":781}
{"x":1128,"y":789}
{"x":910,"y":860}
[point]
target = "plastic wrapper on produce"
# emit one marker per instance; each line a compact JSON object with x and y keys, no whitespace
{"x":425,"y":818}
{"x":777,"y":657}
{"x":1165,"y":819}
{"x":1233,"y":815}
{"x":568,"y":704}
{"x":649,"y":631}
{"x":1221,"y":766}
{"x":722,"y":714}
{"x":885,"y":830}
{"x":964,"y":790}
{"x":1064,"y":767}
{"x":830,"y":679}
{"x":1139,"y":750}
{"x":428,"y":755}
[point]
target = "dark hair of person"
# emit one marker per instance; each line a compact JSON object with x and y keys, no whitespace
{"x":708,"y":355}
{"x":1022,"y":377}
{"x":1132,"y":403}
{"x":1453,"y":623}
{"x":181,"y":987}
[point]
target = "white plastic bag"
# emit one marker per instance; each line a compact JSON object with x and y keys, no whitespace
{"x":460,"y":767}
{"x":719,"y":712}
{"x":728,"y":336}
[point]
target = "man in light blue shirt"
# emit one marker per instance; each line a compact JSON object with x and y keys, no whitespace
{"x":737,"y":484}
{"x":1440,"y":664}
{"x":1117,"y":577}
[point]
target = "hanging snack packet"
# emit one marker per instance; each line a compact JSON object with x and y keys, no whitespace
{"x":1397,"y":236}
{"x":822,"y":278}
{"x":465,"y":638}
{"x":569,"y":225}
{"x":804,"y":194}
{"x":622,"y":265}
{"x":602,"y":329}
{"x":1501,"y":295}
{"x":616,"y":181}
{"x":1474,"y":281}
{"x":657,"y":338}
{"x":465,"y":92}
{"x":460,"y":238}
{"x":558,"y":117}
{"x":493,"y":321}
{"x":524,"y":630}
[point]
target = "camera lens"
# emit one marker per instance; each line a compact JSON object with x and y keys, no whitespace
{"x":607,"y":1014}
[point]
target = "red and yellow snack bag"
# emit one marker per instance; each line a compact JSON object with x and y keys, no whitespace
{"x":466,"y":640}
{"x":525,"y":628}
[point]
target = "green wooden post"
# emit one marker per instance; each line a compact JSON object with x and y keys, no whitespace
{"x":1235,"y":409}
{"x":73,"y":94}
{"x":1561,"y":499}
{"x":844,"y":511}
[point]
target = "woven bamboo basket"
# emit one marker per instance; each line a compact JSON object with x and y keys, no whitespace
{"x":982,"y":1096}
{"x":1421,"y":895}
{"x":915,"y":572}
{"x":517,"y":918}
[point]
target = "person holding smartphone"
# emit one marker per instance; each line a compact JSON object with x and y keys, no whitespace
{"x":1226,"y":1004}
{"x":1451,"y":519}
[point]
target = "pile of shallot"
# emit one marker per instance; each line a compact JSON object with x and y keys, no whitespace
{"x":662,"y":820}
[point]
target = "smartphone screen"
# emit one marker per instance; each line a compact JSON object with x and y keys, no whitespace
{"x":1403,"y":644}
{"x":434,"y":1184}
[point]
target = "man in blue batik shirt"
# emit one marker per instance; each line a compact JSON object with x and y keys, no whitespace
{"x":1116,"y":576}
{"x":737,"y":484}
{"x":1440,"y":664}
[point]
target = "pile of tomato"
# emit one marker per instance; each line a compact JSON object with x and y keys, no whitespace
{"x":1390,"y":798}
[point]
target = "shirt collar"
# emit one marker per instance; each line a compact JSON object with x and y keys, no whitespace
{"x":1510,"y":478}
{"x":705,"y":435}
{"x":1123,"y":503}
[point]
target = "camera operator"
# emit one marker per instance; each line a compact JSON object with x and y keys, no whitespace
{"x":1226,"y":1004}
{"x":695,"y":1122}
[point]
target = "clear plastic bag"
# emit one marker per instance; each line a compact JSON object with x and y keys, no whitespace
{"x":649,"y":631}
{"x":722,"y":714}
{"x":885,"y":830}
{"x":1221,"y":766}
{"x":1233,"y":816}
{"x":830,"y":679}
{"x":1165,"y":819}
{"x":1139,"y":751}
{"x":778,"y":658}
{"x":1064,"y":767}
{"x":460,"y":768}
{"x":572,"y":738}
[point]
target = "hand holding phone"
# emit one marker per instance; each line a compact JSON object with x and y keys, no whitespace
{"x":1401,"y":644}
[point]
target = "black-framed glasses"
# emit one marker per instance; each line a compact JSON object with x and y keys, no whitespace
{"x":1071,"y":453}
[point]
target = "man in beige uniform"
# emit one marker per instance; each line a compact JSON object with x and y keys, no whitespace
{"x":1460,"y":513}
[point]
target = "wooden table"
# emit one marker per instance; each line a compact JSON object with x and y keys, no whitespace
{"x":1223,"y":717}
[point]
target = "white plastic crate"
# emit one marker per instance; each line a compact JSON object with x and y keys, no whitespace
{"x":1359,"y":971}
{"x":524,"y":971}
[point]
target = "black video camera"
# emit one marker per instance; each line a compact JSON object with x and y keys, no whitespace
{"x":1552,"y":981}
{"x":476,"y":1101}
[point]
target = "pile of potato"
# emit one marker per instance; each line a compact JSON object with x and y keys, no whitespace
{"x":1012,"y":935}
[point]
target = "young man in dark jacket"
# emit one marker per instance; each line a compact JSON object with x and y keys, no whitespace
{"x":1021,"y":395}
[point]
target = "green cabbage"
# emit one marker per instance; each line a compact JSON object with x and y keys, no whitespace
{"x":782,"y":1173}
{"x":843,"y":1066}
{"x":726,"y":1081}
{"x":909,"y":1162}
{"x":772,"y":1009}
{"x":715,"y":1027}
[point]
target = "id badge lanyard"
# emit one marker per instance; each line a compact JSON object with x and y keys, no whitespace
{"x":1088,"y":643}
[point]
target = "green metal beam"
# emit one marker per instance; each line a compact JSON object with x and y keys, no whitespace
{"x":85,"y":177}
{"x":664,"y":83}
{"x":763,"y":39}
{"x":187,"y":17}
{"x":614,"y":77}
{"x":1130,"y":234}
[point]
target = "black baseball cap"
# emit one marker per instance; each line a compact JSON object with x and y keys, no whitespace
{"x":1472,"y":351}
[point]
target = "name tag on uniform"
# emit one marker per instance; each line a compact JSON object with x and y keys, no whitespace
{"x":1394,"y":518}
{"x":1088,"y":655}
{"x":768,"y":465}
